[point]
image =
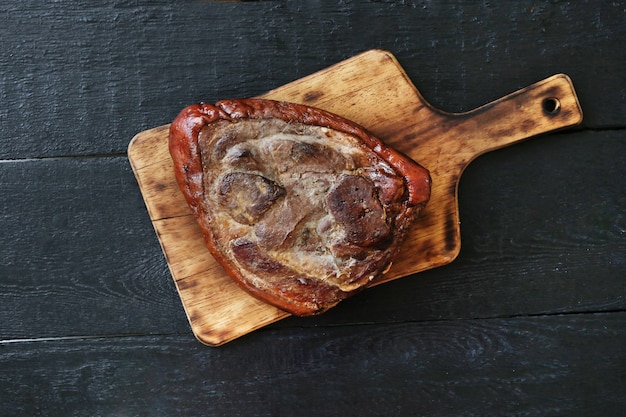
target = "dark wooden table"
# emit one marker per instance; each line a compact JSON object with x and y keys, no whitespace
{"x":530,"y":320}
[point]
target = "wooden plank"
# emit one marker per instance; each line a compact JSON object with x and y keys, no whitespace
{"x":89,"y":72}
{"x":376,"y":93}
{"x":79,"y":255}
{"x":541,"y":221}
{"x":533,"y":366}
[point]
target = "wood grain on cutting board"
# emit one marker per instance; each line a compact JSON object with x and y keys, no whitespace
{"x":373,"y":90}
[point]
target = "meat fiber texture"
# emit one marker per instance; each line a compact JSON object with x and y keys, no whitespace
{"x":301,"y":207}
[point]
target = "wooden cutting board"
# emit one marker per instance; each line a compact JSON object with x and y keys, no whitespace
{"x":373,"y":90}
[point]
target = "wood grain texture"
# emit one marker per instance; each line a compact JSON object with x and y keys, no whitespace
{"x":70,"y":67}
{"x":524,"y":250}
{"x":75,"y":259}
{"x":542,"y":232}
{"x":535,"y":366}
{"x":80,"y":256}
{"x":373,"y":90}
{"x":510,"y":328}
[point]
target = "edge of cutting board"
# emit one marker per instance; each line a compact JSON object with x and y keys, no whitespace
{"x":373,"y":90}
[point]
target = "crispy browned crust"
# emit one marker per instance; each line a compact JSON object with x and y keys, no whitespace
{"x":299,"y":296}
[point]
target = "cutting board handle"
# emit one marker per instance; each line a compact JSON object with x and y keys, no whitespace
{"x":542,"y":107}
{"x":448,"y":142}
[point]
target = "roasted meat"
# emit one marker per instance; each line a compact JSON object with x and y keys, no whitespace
{"x":301,"y":207}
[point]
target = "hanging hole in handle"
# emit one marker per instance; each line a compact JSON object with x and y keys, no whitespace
{"x":551,"y":106}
